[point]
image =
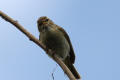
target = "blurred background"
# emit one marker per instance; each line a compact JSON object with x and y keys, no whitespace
{"x":93,"y":27}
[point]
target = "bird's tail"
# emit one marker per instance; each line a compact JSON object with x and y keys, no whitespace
{"x":72,"y":68}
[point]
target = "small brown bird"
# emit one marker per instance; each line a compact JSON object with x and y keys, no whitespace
{"x":56,"y":39}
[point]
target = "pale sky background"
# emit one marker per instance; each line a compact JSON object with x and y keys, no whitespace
{"x":93,"y":27}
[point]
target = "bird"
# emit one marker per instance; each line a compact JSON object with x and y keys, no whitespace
{"x":56,"y":39}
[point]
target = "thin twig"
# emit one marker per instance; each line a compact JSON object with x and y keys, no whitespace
{"x":35,"y":40}
{"x":54,"y":71}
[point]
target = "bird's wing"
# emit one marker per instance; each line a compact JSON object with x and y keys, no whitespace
{"x":72,"y":55}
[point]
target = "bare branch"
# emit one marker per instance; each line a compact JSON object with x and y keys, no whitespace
{"x":35,"y":40}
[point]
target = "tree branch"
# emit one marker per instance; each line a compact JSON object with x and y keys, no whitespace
{"x":35,"y":40}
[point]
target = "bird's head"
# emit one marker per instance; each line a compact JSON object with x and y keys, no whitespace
{"x":44,"y":23}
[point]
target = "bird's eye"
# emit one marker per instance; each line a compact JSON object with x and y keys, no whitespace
{"x":46,"y":19}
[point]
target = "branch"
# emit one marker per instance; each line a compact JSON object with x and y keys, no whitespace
{"x":35,"y":40}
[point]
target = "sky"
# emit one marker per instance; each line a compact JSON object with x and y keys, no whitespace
{"x":93,"y":27}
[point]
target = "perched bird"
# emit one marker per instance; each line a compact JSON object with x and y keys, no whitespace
{"x":56,"y":39}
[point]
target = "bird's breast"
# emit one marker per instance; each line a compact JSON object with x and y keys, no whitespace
{"x":56,"y":41}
